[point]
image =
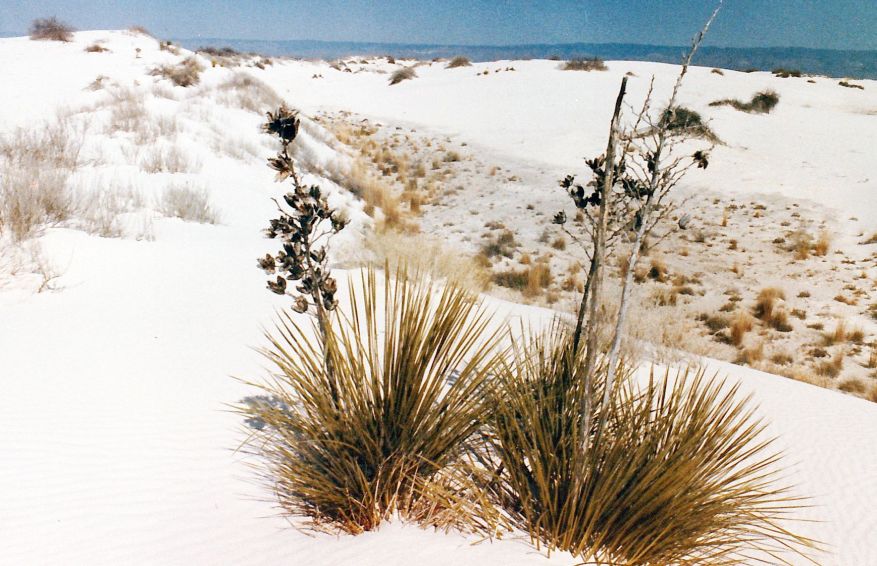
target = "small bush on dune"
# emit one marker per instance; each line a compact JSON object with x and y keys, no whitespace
{"x":633,"y":482}
{"x":784,"y":73}
{"x":34,"y":168}
{"x":185,"y":74}
{"x":51,"y":29}
{"x":584,"y":64}
{"x":685,"y":121}
{"x":403,"y":74}
{"x":393,"y":438}
{"x":96,"y":48}
{"x":186,"y":203}
{"x":761,"y":103}
{"x":459,"y":61}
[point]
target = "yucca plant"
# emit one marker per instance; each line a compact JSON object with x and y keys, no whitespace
{"x":410,"y":363}
{"x":673,"y":471}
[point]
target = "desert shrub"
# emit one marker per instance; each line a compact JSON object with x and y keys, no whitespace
{"x":50,"y":29}
{"x":760,"y":103}
{"x":850,"y":85}
{"x":459,"y":61}
{"x":784,"y":73}
{"x":243,"y":90}
{"x":409,"y":369}
{"x":631,"y":482}
{"x":186,"y":73}
{"x":35,"y":166}
{"x":502,"y":244}
{"x":684,"y":121}
{"x":219,"y":51}
{"x":718,"y":72}
{"x":186,"y":203}
{"x":403,"y":74}
{"x":585,"y":64}
{"x":96,"y":48}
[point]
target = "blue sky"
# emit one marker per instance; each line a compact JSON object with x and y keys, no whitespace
{"x":838,"y":24}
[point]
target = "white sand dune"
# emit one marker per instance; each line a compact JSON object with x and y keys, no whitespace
{"x":118,"y":443}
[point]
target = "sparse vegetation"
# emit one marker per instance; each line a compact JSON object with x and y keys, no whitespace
{"x":585,"y":64}
{"x":458,"y":61}
{"x":684,"y":121}
{"x":186,"y":203}
{"x":403,"y":74}
{"x":784,"y":73}
{"x":850,"y":85}
{"x":760,"y":103}
{"x":185,"y":74}
{"x":51,"y":29}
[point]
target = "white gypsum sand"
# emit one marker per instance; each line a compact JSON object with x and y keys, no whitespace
{"x":118,"y":441}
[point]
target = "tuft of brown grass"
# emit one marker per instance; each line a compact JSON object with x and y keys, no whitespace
{"x":458,"y":61}
{"x":740,"y":325}
{"x":823,"y":244}
{"x":853,"y":385}
{"x":96,"y":48}
{"x":838,"y":335}
{"x":831,"y":368}
{"x":403,"y":74}
{"x":766,"y":303}
{"x":187,"y":73}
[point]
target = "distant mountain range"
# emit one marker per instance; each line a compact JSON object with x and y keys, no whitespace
{"x":834,"y":63}
{"x":830,"y":62}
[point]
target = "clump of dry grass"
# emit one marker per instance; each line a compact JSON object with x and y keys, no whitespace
{"x":428,"y":257}
{"x":385,"y":430}
{"x":838,"y":335}
{"x":766,"y":303}
{"x":403,"y":74}
{"x":186,"y":203}
{"x":51,"y":29}
{"x":375,"y":194}
{"x":185,"y":74}
{"x":853,"y":385}
{"x":831,"y":368}
{"x":632,"y":484}
{"x":823,"y":244}
{"x":741,"y":324}
{"x":459,"y":61}
{"x":585,"y":64}
{"x":35,"y":166}
{"x":96,"y":48}
{"x":502,"y":244}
